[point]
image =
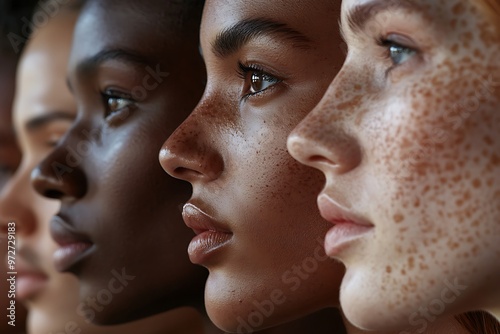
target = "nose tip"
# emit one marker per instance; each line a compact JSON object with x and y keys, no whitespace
{"x":191,"y":164}
{"x":327,"y":149}
{"x":55,"y":181}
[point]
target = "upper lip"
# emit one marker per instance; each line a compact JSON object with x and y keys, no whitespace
{"x":199,"y":221}
{"x":64,"y":234}
{"x":336,"y":214}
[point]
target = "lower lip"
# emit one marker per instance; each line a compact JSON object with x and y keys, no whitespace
{"x":342,"y":235}
{"x":204,"y":245}
{"x":68,"y":255}
{"x":29,"y":285}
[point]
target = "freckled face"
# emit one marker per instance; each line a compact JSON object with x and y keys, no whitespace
{"x":408,"y":138}
{"x":135,"y":75}
{"x":232,"y":149}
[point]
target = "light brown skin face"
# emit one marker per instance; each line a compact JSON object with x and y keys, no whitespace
{"x":10,"y":157}
{"x":232,"y":149}
{"x":409,"y":140}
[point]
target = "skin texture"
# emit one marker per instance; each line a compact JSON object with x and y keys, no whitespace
{"x":117,"y":195}
{"x":10,"y":157}
{"x":232,"y":149}
{"x":411,"y":145}
{"x":51,"y":297}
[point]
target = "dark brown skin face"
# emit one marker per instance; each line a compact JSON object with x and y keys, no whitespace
{"x":117,"y":203}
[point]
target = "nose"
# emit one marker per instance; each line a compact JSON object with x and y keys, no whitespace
{"x":322,"y":139}
{"x":60,"y":175}
{"x":16,"y":204}
{"x":191,"y":153}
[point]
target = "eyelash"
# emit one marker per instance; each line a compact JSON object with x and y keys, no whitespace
{"x":245,"y":70}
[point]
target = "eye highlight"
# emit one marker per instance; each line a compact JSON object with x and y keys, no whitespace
{"x":116,"y":103}
{"x":256,"y":80}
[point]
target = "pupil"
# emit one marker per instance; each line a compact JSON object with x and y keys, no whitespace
{"x":256,"y":82}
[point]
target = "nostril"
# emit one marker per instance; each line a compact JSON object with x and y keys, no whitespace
{"x":54,"y":194}
{"x":319,"y":158}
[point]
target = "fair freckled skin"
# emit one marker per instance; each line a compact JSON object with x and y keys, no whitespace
{"x":411,"y":144}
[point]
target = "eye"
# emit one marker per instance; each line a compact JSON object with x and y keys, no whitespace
{"x":396,"y":51}
{"x":261,"y":81}
{"x":400,"y":54}
{"x":115,"y":103}
{"x":256,"y":80}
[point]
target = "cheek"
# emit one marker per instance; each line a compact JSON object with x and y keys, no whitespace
{"x":440,"y":159}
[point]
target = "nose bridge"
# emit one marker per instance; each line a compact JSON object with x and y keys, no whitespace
{"x":192,"y":151}
{"x":324,"y":139}
{"x":16,"y":202}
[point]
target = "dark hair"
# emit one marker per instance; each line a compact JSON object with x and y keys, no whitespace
{"x":479,"y":323}
{"x":14,"y":21}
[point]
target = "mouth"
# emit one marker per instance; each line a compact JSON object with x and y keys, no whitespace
{"x":347,"y":228}
{"x":210,"y":236}
{"x":30,"y":281}
{"x":73,"y":246}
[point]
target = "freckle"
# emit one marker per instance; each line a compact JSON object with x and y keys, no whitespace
{"x":490,"y":182}
{"x":388,"y":269}
{"x":411,"y":262}
{"x":495,"y":160}
{"x":398,"y":218}
{"x":449,"y":167}
{"x":458,"y":9}
{"x":357,"y":87}
{"x":403,"y":272}
{"x":478,"y":53}
{"x":416,"y":203}
{"x":476,"y":183}
{"x":423,"y":266}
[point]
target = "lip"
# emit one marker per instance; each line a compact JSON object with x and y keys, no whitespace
{"x":210,"y":237}
{"x":348,"y":227}
{"x":74,"y":246}
{"x":30,"y":281}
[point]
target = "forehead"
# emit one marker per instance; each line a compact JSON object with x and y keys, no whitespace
{"x":313,"y":18}
{"x":145,"y":26}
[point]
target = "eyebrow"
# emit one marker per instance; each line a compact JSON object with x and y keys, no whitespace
{"x":358,"y":17}
{"x":38,"y":122}
{"x":235,"y":37}
{"x":128,"y":56}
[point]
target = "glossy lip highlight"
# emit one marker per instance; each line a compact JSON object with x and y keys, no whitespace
{"x":210,"y":235}
{"x":347,"y":228}
{"x":74,"y":247}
